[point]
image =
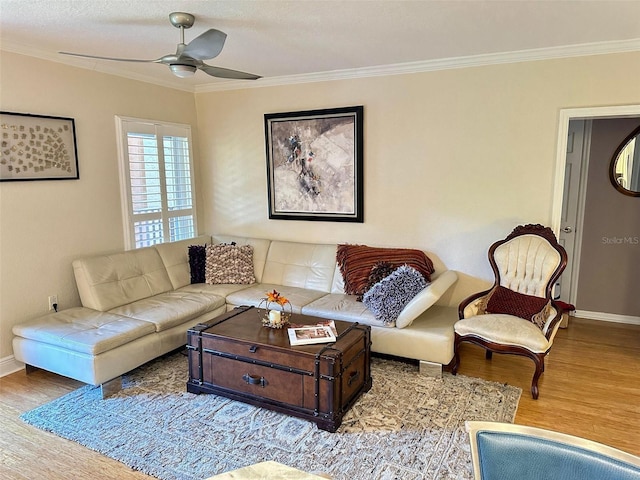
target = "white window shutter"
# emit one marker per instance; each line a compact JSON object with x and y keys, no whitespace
{"x":156,"y":176}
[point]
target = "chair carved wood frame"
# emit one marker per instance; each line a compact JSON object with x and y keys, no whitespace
{"x":530,"y":261}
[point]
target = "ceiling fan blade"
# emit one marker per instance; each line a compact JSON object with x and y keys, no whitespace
{"x":109,"y":58}
{"x":206,"y":46}
{"x":226,"y":73}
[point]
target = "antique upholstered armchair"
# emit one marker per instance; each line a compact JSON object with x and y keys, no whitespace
{"x":517,"y":315}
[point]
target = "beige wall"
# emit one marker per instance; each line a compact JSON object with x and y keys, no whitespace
{"x":610,"y":253}
{"x":453,"y":160}
{"x":44,"y":225}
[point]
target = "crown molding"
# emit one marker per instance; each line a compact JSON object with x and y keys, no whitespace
{"x":587,"y":49}
{"x":581,"y":50}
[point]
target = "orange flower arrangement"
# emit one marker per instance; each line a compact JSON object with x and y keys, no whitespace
{"x":275,"y":297}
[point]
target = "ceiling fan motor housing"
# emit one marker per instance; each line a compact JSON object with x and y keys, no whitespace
{"x":181,"y":19}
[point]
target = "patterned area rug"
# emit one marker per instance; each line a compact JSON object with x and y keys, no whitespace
{"x":406,"y":427}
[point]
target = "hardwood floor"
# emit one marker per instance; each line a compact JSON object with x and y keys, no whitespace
{"x":590,"y":388}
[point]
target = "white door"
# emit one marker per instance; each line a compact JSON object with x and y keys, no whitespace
{"x":572,"y":206}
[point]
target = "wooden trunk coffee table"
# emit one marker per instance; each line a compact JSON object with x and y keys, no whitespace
{"x":236,"y":357}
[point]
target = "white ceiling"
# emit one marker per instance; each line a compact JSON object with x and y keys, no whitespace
{"x":288,"y":41}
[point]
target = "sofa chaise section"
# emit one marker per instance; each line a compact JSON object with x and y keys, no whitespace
{"x":87,"y":345}
{"x":131,"y":314}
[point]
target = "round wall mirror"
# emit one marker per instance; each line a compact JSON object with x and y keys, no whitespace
{"x":624,"y":170}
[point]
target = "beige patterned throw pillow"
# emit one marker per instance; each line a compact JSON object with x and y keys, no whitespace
{"x":229,"y":264}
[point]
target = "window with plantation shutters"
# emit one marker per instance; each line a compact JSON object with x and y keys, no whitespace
{"x":156,"y":178}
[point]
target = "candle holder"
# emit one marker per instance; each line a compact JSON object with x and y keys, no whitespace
{"x":278,"y":316}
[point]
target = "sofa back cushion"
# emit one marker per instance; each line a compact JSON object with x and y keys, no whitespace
{"x":337,"y":285}
{"x":108,"y":281}
{"x":260,"y":250}
{"x":304,"y":265}
{"x":175,"y":257}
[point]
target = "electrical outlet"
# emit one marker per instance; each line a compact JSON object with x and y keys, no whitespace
{"x":53,"y":299}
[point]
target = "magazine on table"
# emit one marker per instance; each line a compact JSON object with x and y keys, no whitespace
{"x":324,"y":323}
{"x":310,"y":334}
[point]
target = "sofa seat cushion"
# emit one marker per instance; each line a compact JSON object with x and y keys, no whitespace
{"x":505,"y":330}
{"x":427,"y":297}
{"x":84,"y":330}
{"x":338,"y":306}
{"x":170,"y":309}
{"x":345,"y":307}
{"x":220,"y":289}
{"x":298,"y":297}
{"x":430,"y":337}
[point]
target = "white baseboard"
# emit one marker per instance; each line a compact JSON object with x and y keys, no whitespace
{"x":9,"y":365}
{"x":608,"y":317}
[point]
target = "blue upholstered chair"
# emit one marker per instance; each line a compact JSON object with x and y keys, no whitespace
{"x":503,"y":451}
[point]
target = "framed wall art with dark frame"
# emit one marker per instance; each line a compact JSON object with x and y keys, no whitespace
{"x":37,"y":147}
{"x":314,"y":164}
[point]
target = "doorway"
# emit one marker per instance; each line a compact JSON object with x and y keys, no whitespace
{"x":565,"y":179}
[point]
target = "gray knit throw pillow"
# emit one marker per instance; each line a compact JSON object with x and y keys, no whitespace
{"x":387,"y":298}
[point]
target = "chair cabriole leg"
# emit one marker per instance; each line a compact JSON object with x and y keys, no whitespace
{"x":539,"y":361}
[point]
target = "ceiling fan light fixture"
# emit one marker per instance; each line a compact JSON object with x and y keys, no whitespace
{"x":183,"y":71}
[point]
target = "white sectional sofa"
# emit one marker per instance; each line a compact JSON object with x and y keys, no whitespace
{"x":138,"y":305}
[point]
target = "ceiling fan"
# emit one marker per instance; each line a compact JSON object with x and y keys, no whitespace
{"x":189,"y":57}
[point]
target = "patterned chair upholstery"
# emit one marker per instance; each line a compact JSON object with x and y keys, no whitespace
{"x":501,"y":451}
{"x":517,"y":315}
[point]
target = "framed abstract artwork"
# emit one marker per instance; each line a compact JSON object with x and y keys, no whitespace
{"x":37,"y":147}
{"x":314,"y":164}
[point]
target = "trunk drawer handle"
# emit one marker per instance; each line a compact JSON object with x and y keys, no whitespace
{"x":254,"y":380}
{"x":353,"y":377}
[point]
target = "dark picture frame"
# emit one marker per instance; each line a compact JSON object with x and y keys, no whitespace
{"x":315,"y":164}
{"x":37,"y":147}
